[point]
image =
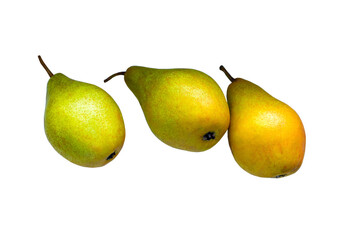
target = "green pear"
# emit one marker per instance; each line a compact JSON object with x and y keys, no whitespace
{"x":82,"y":122}
{"x":266,"y":136}
{"x":184,"y":108}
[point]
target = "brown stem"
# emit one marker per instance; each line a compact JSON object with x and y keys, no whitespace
{"x":45,"y":67}
{"x":227,"y":73}
{"x":114,"y":75}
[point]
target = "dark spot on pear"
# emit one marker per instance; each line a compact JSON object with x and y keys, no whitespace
{"x":280,"y":176}
{"x":208,"y":136}
{"x":111,"y":156}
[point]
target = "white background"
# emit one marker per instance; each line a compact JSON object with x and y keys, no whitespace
{"x":305,"y":53}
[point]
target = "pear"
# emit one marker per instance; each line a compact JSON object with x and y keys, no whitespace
{"x":82,"y":122}
{"x":184,"y":108}
{"x":266,"y":136}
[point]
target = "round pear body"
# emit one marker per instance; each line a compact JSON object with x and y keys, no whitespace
{"x":82,"y":122}
{"x":184,"y":108}
{"x":266,"y":136}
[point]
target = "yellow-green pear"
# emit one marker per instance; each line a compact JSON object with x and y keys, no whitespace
{"x":266,"y":136}
{"x":82,"y":122}
{"x":184,"y":108}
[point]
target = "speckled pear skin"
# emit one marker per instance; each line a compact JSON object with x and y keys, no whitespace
{"x":184,"y":108}
{"x":82,"y":122}
{"x":266,"y":136}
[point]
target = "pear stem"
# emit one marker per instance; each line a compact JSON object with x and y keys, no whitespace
{"x":222,"y":68}
{"x":114,"y":75}
{"x":45,"y":67}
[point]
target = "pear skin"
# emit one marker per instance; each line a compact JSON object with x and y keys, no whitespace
{"x":82,"y":122}
{"x":184,"y":108}
{"x":266,"y":136}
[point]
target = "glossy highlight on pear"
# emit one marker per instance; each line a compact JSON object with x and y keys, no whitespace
{"x":266,"y":136}
{"x":82,"y":122}
{"x":184,"y":108}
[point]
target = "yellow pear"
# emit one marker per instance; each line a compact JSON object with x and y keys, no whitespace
{"x":82,"y":122}
{"x":184,"y":108}
{"x":266,"y":136}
